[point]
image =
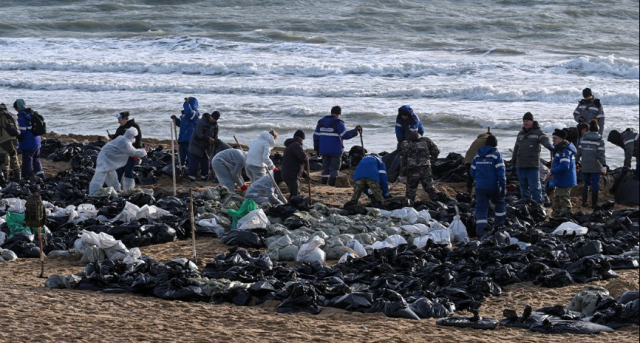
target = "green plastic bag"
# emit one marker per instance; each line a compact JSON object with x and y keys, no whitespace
{"x":246,"y":207}
{"x":15,"y":222}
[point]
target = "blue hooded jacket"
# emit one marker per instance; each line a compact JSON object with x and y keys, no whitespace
{"x":329,"y":134}
{"x":26,"y":140}
{"x":372,"y":167}
{"x":404,"y":126}
{"x":187,"y":121}
{"x":488,"y":169}
{"x":564,"y":166}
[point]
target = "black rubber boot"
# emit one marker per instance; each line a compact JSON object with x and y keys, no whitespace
{"x":332,"y":181}
{"x":585,"y":196}
{"x":324,"y":180}
{"x":594,"y":199}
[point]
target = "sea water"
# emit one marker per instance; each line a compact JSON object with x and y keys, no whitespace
{"x":462,"y":65}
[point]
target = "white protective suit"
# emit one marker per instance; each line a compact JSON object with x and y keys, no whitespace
{"x":258,"y":156}
{"x":263,"y":191}
{"x":227,"y":165}
{"x":114,"y":155}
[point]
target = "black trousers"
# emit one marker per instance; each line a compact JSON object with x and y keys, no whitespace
{"x":293,"y":187}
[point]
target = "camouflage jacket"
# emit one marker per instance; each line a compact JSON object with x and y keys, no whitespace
{"x":417,"y":155}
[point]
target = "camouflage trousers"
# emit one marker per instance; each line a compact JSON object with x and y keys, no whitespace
{"x":562,"y":201}
{"x":9,"y":158}
{"x":362,"y":184}
{"x":423,"y":177}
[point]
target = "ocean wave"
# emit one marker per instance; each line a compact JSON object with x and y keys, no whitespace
{"x":470,"y":93}
{"x":604,"y":65}
{"x":456,"y":120}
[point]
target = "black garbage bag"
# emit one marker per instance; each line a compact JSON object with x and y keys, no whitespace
{"x":628,"y":297}
{"x":577,"y":327}
{"x":527,"y":320}
{"x":392,"y":304}
{"x":359,"y":301}
{"x":475,"y":322}
{"x":591,"y":268}
{"x":173,"y":290}
{"x":392,"y":162}
{"x":630,"y":311}
{"x":554,"y":278}
{"x":425,"y":308}
{"x":302,"y":298}
{"x":243,"y":238}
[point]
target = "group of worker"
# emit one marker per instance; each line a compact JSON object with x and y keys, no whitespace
{"x":199,"y":149}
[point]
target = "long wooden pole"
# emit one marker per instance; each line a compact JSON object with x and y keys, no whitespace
{"x":309,"y":180}
{"x":41,"y":252}
{"x":238,"y":143}
{"x":173,"y":158}
{"x":276,"y":185}
{"x":193,"y":227}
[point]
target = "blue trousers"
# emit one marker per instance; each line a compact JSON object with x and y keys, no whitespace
{"x":483,"y":196}
{"x":127,"y":170}
{"x":530,"y":184}
{"x":197,"y":163}
{"x":592,"y":180}
{"x":330,"y":169}
{"x":183,"y":150}
{"x":31,"y":163}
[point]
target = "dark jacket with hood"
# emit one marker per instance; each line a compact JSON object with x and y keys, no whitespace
{"x":129,"y":124}
{"x":294,"y":159}
{"x":199,"y":144}
{"x":412,"y":124}
{"x":564,"y":166}
{"x":526,"y":152}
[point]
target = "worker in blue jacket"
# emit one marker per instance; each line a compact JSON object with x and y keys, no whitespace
{"x":371,"y":175}
{"x":28,"y":143}
{"x":327,"y":141}
{"x":488,"y":170}
{"x":186,"y":123}
{"x":563,"y":173}
{"x":406,"y":122}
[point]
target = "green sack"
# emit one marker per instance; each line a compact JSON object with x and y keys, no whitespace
{"x":15,"y":222}
{"x":246,"y":207}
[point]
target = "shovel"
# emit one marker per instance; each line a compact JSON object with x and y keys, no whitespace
{"x":180,"y":166}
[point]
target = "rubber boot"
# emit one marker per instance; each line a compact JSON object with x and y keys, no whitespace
{"x":324,"y":180}
{"x":16,"y":175}
{"x":585,"y":196}
{"x":410,"y":202}
{"x":594,"y":199}
{"x":332,"y":181}
{"x":128,"y":184}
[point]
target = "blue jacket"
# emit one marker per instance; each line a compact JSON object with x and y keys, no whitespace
{"x":564,"y":166}
{"x":329,"y":134}
{"x":488,"y":169}
{"x":187,"y":123}
{"x":26,"y":140}
{"x":372,"y":167}
{"x":404,"y":126}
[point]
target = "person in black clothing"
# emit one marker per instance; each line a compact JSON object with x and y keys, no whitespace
{"x":294,"y":161}
{"x":127,"y":171}
{"x":204,"y":144}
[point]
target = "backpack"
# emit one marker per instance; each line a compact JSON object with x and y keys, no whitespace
{"x":38,"y":125}
{"x":34,"y":214}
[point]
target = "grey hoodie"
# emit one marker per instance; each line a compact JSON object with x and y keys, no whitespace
{"x":591,"y":153}
{"x":526,"y":152}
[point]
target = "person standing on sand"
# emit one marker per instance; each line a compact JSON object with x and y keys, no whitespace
{"x":328,"y":142}
{"x":593,"y":162}
{"x":407,"y":121}
{"x":8,"y":145}
{"x":563,"y":173}
{"x":488,"y":169}
{"x":129,"y":181}
{"x":186,"y":123}
{"x":589,"y":108}
{"x":28,"y":143}
{"x":294,"y":161}
{"x":258,"y":155}
{"x":526,"y":157}
{"x":478,"y":143}
{"x":417,"y":154}
{"x":204,"y":139}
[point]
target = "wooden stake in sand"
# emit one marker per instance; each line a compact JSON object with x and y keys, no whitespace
{"x":173,"y":158}
{"x":193,"y":227}
{"x":309,"y":180}
{"x":41,"y":252}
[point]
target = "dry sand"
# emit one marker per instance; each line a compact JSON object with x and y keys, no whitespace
{"x":31,"y":312}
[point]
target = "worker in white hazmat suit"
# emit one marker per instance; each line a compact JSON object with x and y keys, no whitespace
{"x":114,"y":155}
{"x":227,"y":166}
{"x":263,"y":191}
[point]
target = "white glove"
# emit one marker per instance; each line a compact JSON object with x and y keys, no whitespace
{"x":603,"y":171}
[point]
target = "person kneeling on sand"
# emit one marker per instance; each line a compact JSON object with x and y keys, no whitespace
{"x":563,"y":173}
{"x":370,"y":175}
{"x":264,"y":192}
{"x":114,"y":155}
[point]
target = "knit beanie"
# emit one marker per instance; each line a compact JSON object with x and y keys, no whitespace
{"x":527,"y":116}
{"x":336,"y":110}
{"x":560,"y":133}
{"x":492,"y":141}
{"x":587,"y":93}
{"x":215,"y":115}
{"x":299,"y":134}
